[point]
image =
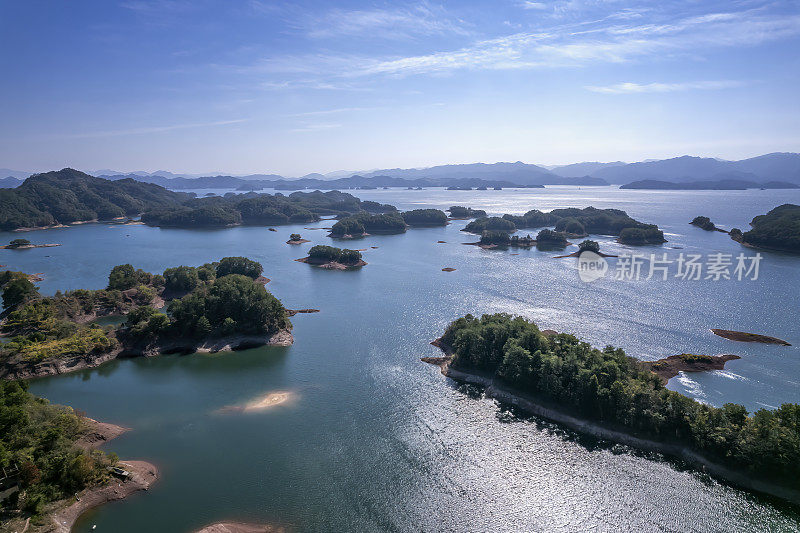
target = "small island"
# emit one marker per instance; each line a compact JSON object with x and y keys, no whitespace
{"x":607,"y":394}
{"x":25,"y":244}
{"x":586,"y":246}
{"x":332,"y":258}
{"x":741,"y":336}
{"x":458,"y":212}
{"x":215,"y":307}
{"x":296,"y":238}
{"x":706,"y":224}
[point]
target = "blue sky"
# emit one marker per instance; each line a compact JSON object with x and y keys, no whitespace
{"x":297,"y":87}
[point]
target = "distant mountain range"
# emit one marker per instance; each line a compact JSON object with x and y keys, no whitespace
{"x":780,"y":167}
{"x":769,"y":167}
{"x":473,"y":175}
{"x":710,"y":185}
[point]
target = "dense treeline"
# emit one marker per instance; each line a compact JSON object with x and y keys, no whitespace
{"x":362,"y":223}
{"x":778,"y":229}
{"x":425,"y":217}
{"x":68,"y":196}
{"x":218,"y":299}
{"x":502,"y":239}
{"x":223,"y":299}
{"x":576,"y":222}
{"x":38,"y":451}
{"x":262,"y":209}
{"x":480,"y":225}
{"x":549,"y":237}
{"x":326,"y":254}
{"x":609,"y":387}
{"x":459,"y":211}
{"x":55,"y":327}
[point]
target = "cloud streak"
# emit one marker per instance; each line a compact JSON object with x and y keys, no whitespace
{"x":609,"y":44}
{"x":419,"y":20}
{"x":149,"y":130}
{"x":616,"y":38}
{"x":636,"y":88}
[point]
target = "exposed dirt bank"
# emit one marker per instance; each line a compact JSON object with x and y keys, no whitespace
{"x":748,"y":337}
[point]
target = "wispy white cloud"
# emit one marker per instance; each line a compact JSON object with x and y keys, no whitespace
{"x":633,"y":88}
{"x":421,"y":19}
{"x":148,"y":130}
{"x":335,"y":111}
{"x":315,"y":127}
{"x":527,"y":4}
{"x":609,"y":44}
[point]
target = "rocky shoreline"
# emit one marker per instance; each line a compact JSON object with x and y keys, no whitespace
{"x":500,"y":392}
{"x":60,"y":516}
{"x":26,"y":370}
{"x":331,"y":265}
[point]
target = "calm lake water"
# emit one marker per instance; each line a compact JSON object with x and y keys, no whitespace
{"x":375,"y":440}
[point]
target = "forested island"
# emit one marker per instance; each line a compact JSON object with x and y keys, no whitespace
{"x":365,"y":223}
{"x":614,"y":396}
{"x":332,"y":258}
{"x":461,"y":212}
{"x":216,"y":306}
{"x":575,"y":222}
{"x":778,"y":230}
{"x":69,"y":196}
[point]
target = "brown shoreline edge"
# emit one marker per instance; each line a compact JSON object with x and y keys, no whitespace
{"x":742,"y":336}
{"x":498,"y":391}
{"x":331,"y":265}
{"x":239,"y":527}
{"x":84,"y":361}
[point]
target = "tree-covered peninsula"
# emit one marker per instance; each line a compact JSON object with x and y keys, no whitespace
{"x":41,"y":456}
{"x":262,"y":209}
{"x":621,"y":394}
{"x":779,"y":229}
{"x":214,"y":306}
{"x":575,"y":222}
{"x":67,"y":196}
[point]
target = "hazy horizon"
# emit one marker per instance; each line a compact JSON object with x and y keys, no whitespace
{"x":293,"y":88}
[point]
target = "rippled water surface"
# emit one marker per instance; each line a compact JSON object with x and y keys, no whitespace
{"x":374,"y":440}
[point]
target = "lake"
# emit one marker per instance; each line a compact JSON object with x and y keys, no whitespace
{"x":374,"y":440}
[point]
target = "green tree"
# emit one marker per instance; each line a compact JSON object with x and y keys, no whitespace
{"x":18,"y":291}
{"x":239,"y":265}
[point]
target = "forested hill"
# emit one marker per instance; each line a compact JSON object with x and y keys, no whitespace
{"x":68,"y":195}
